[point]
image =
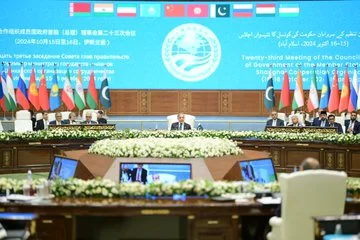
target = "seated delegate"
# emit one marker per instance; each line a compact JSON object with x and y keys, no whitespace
{"x":180,"y":124}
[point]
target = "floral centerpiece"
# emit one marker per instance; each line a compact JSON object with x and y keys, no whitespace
{"x":194,"y":147}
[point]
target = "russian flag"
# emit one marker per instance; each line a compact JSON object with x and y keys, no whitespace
{"x":243,"y":10}
{"x":21,"y":92}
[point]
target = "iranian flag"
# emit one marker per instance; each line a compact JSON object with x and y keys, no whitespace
{"x":79,"y":92}
{"x":92,"y":95}
{"x":298,"y":100}
{"x":313,"y":101}
{"x":67,"y":93}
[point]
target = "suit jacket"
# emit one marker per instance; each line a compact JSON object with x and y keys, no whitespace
{"x":102,"y":121}
{"x":279,"y":122}
{"x":54,"y":122}
{"x":317,"y":122}
{"x":175,"y":126}
{"x":307,"y":123}
{"x":89,"y":123}
{"x":39,"y":125}
{"x":143,"y":175}
{"x":33,"y":122}
{"x":356,"y":127}
{"x":67,"y":121}
{"x":338,"y":126}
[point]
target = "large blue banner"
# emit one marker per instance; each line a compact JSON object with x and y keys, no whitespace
{"x":180,"y":45}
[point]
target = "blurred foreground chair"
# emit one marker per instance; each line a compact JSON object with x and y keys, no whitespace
{"x":305,"y":195}
{"x":23,"y":121}
{"x":17,"y":226}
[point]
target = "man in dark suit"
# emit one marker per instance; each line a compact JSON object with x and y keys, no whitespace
{"x":42,"y":124}
{"x":332,"y":123}
{"x":139,"y":174}
{"x":321,"y":121}
{"x":249,"y":173}
{"x":71,"y":119}
{"x":58,"y":119}
{"x":275,"y":121}
{"x":181,"y":124}
{"x":33,"y":119}
{"x":306,"y":123}
{"x":100,"y":118}
{"x":88,"y":120}
{"x":352,"y":125}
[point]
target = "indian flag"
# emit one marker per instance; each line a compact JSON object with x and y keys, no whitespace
{"x":126,"y":10}
{"x":265,"y":10}
{"x":289,"y":10}
{"x":298,"y":100}
{"x":104,"y":9}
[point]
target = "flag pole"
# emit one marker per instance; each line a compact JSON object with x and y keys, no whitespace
{"x":12,"y":110}
{"x":4,"y":119}
{"x":75,"y":92}
{"x":105,"y":110}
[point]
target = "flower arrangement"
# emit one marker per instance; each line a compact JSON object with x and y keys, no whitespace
{"x":194,"y":147}
{"x":126,"y":134}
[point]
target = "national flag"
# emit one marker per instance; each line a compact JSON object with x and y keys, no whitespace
{"x":103,"y":9}
{"x":325,"y":92}
{"x":313,"y":101}
{"x":21,"y":91}
{"x":33,"y":93}
{"x":289,"y":10}
{"x":105,"y":92}
{"x":2,"y":103}
{"x":4,"y":88}
{"x":285,"y":92}
{"x":80,"y":9}
{"x":126,"y":10}
{"x":334,"y":95}
{"x":219,"y":10}
{"x":55,"y":102}
{"x":174,"y":10}
{"x":79,"y":92}
{"x":150,"y":10}
{"x":265,"y":10}
{"x":11,"y":91}
{"x":197,"y":10}
{"x":345,"y":93}
{"x":243,"y":10}
{"x":298,"y":100}
{"x":354,"y":89}
{"x":67,"y":95}
{"x":92,"y":94}
{"x":269,"y":97}
{"x":43,"y":92}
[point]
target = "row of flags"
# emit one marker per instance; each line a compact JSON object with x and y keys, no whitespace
{"x":39,"y":97}
{"x":184,"y":10}
{"x":330,"y":99}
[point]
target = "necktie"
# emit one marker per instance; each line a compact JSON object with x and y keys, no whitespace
{"x":138,"y":175}
{"x":181,"y":126}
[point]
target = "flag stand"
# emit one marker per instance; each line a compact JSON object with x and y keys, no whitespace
{"x":12,"y":115}
{"x":4,"y":119}
{"x":79,"y":116}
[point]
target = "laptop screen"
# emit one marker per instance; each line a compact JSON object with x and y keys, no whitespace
{"x":150,"y":172}
{"x":63,"y":168}
{"x":258,"y":170}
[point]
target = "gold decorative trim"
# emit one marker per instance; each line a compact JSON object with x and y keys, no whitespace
{"x":276,"y":158}
{"x":340,"y":160}
{"x":155,"y":212}
{"x":144,"y":102}
{"x":329,"y":160}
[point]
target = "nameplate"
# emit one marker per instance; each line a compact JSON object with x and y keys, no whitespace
{"x":84,"y":127}
{"x":301,"y":129}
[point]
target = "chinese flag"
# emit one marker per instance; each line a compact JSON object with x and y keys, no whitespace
{"x":43,"y":93}
{"x":334,"y":95}
{"x":174,"y":10}
{"x":33,"y":93}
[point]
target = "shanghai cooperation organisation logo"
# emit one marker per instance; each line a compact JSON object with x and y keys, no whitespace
{"x":191,"y":52}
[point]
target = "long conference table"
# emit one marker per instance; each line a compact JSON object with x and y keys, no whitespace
{"x":194,"y":218}
{"x":20,"y":156}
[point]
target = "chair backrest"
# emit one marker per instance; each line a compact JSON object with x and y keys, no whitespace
{"x":39,"y":116}
{"x":340,"y":119}
{"x":51,"y":117}
{"x":65,"y":115}
{"x":23,"y":115}
{"x":93,"y":114}
{"x":308,"y":194}
{"x":189,"y":119}
{"x":23,"y":125}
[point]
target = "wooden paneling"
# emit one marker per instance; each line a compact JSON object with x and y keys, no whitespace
{"x":164,"y":102}
{"x":247,"y":103}
{"x":125,"y":102}
{"x":205,"y":102}
{"x":33,"y":156}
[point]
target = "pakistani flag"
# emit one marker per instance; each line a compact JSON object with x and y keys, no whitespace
{"x":269,"y":98}
{"x":105,"y":93}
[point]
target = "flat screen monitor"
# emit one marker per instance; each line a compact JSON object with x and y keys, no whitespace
{"x":63,"y":168}
{"x":258,"y":170}
{"x":150,"y":172}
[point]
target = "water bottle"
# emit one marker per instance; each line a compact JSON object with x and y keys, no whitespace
{"x":199,"y":127}
{"x":30,"y":183}
{"x":338,"y":229}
